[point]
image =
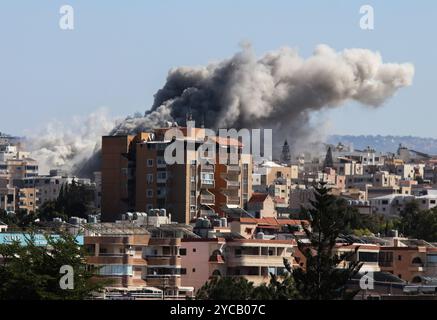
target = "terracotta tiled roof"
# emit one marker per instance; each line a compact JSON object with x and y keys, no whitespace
{"x":258,"y":197}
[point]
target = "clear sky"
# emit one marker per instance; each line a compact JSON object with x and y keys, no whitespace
{"x":120,"y":52}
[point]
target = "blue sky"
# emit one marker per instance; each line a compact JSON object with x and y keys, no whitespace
{"x":120,"y":52}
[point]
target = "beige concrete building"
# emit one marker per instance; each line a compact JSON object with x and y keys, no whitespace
{"x":253,"y":259}
{"x":136,"y":259}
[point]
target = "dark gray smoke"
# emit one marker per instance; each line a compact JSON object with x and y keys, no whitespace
{"x":279,"y":90}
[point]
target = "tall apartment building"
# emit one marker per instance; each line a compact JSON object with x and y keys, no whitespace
{"x":136,"y":177}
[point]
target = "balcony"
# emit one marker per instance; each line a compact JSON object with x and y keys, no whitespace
{"x":233,"y":200}
{"x":207,"y":184}
{"x":233,"y":169}
{"x":163,"y":261}
{"x":160,"y":281}
{"x":255,"y":261}
{"x":230,"y":184}
{"x":207,"y":212}
{"x":164,"y":242}
{"x":125,"y":240}
{"x":207,"y":168}
{"x":207,"y":199}
{"x":118,"y":259}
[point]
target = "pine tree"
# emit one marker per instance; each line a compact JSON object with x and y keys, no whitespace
{"x":322,"y":279}
{"x":329,"y":161}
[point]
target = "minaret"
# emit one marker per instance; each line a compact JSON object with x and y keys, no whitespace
{"x":285,"y":155}
{"x":189,"y":120}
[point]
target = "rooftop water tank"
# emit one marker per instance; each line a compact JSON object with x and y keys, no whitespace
{"x":260,"y":235}
{"x":74,"y":220}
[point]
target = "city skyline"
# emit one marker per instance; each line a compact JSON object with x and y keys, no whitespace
{"x":119,"y":57}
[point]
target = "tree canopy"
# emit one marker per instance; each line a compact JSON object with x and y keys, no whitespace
{"x":322,"y":279}
{"x":32,"y":271}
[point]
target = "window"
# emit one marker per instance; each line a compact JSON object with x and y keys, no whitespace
{"x":431,"y":259}
{"x":194,"y":249}
{"x":194,"y":269}
{"x":399,"y":257}
{"x":368,"y":256}
{"x":116,"y":270}
{"x":183,"y":251}
{"x":183,"y":271}
{"x":149,"y":178}
{"x":162,"y":175}
{"x":150,"y":162}
{"x":149,"y":193}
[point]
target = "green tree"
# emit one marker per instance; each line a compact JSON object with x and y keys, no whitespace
{"x":32,"y":272}
{"x":322,"y":279}
{"x":50,"y":210}
{"x":409,"y":218}
{"x":276,"y":289}
{"x":19,"y":219}
{"x":426,"y":225}
{"x":225,"y":288}
{"x":74,"y":199}
{"x":239,"y":288}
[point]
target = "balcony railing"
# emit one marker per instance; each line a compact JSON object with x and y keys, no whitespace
{"x":207,"y":168}
{"x":207,"y":199}
{"x":232,"y":184}
{"x":233,"y":168}
{"x":163,"y":261}
{"x":386,"y":264}
{"x":204,"y":212}
{"x":233,"y":200}
{"x":207,"y":183}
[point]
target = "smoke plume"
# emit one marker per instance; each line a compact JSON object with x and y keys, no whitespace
{"x":69,"y":147}
{"x":279,"y":90}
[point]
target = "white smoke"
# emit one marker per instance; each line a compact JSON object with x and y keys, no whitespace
{"x":69,"y":146}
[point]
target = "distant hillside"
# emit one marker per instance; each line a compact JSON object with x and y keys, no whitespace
{"x":387,"y":143}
